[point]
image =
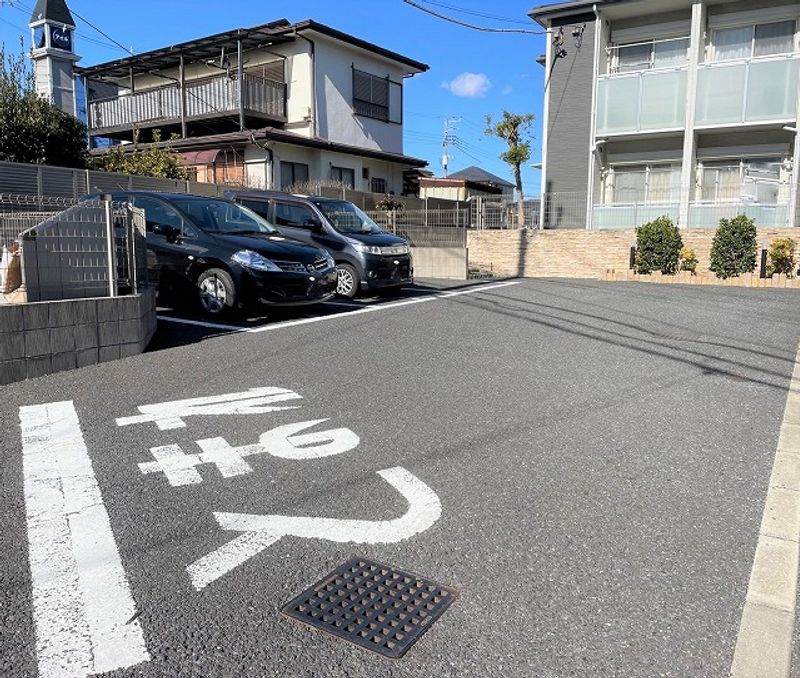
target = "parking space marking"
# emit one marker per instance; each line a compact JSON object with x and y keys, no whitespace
{"x":170,"y":415}
{"x":261,"y":531}
{"x":764,"y":642}
{"x":81,"y":599}
{"x":359,"y":310}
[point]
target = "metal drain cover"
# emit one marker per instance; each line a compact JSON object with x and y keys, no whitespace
{"x":373,"y":605}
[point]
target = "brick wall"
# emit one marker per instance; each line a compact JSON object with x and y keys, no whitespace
{"x":578,"y":254}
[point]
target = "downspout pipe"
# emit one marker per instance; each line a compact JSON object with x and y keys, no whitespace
{"x":314,"y":129}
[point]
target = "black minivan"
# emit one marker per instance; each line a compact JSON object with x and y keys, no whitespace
{"x":225,"y":256}
{"x":367,"y":258}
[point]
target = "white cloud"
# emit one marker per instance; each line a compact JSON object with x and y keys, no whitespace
{"x":470,"y":85}
{"x":507,"y":90}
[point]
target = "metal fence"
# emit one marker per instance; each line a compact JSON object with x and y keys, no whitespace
{"x":77,"y":250}
{"x":426,"y":228}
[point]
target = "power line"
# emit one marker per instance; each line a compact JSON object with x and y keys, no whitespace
{"x":103,"y":33}
{"x":485,"y":29}
{"x":462,"y":10}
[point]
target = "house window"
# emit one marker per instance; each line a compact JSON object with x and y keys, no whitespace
{"x":293,"y":173}
{"x":754,"y":41}
{"x":344,"y":175}
{"x":378,"y":185}
{"x":755,"y":180}
{"x":370,"y":95}
{"x":643,"y":185}
{"x":649,"y":55}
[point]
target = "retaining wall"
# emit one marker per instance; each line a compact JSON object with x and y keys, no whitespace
{"x":46,"y":337}
{"x":578,"y":254}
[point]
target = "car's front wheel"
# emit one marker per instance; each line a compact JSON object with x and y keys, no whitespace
{"x":347,"y":283}
{"x":216,"y":293}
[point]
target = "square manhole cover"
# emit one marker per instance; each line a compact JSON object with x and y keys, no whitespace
{"x":373,"y":605}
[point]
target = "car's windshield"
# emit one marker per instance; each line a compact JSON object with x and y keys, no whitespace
{"x":220,"y":216}
{"x":345,"y":217}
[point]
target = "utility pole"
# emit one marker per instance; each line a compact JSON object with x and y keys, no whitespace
{"x":449,"y":137}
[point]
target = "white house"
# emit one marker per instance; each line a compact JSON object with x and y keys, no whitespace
{"x":271,"y":106}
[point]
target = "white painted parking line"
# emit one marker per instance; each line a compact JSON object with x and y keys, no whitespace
{"x":81,"y":600}
{"x":170,"y":415}
{"x":764,"y":643}
{"x":260,"y":532}
{"x":358,"y":310}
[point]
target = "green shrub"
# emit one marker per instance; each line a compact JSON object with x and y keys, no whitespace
{"x":733,"y":251}
{"x":688,"y":260}
{"x":658,"y":246}
{"x":781,"y":256}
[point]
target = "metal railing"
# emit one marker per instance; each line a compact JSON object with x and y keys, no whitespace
{"x":207,"y":98}
{"x":81,"y":249}
{"x":426,"y":228}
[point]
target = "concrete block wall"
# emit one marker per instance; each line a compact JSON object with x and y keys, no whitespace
{"x":440,"y":262}
{"x":578,"y":254}
{"x":46,"y":337}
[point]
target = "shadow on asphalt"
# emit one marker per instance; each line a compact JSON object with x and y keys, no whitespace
{"x":182,"y":326}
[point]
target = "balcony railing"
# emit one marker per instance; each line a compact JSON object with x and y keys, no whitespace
{"x":708,"y":215}
{"x":631,"y":215}
{"x":641,"y":101}
{"x":747,"y":91}
{"x":209,"y":98}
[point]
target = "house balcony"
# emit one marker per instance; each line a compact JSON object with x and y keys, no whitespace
{"x":218,"y":98}
{"x":748,"y":91}
{"x":765,"y":215}
{"x":631,"y":215}
{"x":643,"y":101}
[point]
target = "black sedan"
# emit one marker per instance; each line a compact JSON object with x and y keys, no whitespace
{"x":226,"y":256}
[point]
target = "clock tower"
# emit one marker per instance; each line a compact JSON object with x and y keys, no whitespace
{"x":53,"y":54}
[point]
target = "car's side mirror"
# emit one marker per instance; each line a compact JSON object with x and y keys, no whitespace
{"x":171,"y":233}
{"x":313,"y":224}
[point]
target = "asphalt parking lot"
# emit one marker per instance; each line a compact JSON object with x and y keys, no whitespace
{"x":585,"y":463}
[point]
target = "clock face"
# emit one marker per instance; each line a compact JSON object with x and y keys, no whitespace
{"x":39,"y":38}
{"x":61,"y":38}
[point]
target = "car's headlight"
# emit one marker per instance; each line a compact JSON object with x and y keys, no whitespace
{"x":368,"y":249}
{"x":329,"y":261}
{"x":254,"y":261}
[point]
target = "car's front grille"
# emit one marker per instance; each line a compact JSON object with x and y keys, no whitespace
{"x":320,"y":264}
{"x":290,"y":266}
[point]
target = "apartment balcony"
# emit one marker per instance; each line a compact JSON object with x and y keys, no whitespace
{"x":631,"y":215}
{"x":644,"y":101}
{"x":204,"y":100}
{"x":747,"y":91}
{"x":765,"y":215}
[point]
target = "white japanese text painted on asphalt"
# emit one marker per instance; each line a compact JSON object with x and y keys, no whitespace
{"x":261,"y":531}
{"x":283,"y":441}
{"x":82,"y":604}
{"x":170,"y":415}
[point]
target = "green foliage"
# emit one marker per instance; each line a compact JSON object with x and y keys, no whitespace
{"x":514,"y":129}
{"x":32,"y":130}
{"x":734,"y":249}
{"x":781,"y":256}
{"x":688,"y":260}
{"x":149,"y":162}
{"x":658,"y":246}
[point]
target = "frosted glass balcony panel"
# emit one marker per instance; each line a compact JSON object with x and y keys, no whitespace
{"x":626,"y":217}
{"x":663,"y":103}
{"x":720,"y":93}
{"x":747,"y":91}
{"x":618,"y":100}
{"x":772,"y":90}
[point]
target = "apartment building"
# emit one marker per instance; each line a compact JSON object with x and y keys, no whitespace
{"x":670,"y":107}
{"x":276,"y":105}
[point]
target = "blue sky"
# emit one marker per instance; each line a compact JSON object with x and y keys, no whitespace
{"x":471,"y":73}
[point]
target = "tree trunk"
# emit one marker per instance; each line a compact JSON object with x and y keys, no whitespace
{"x":520,"y":204}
